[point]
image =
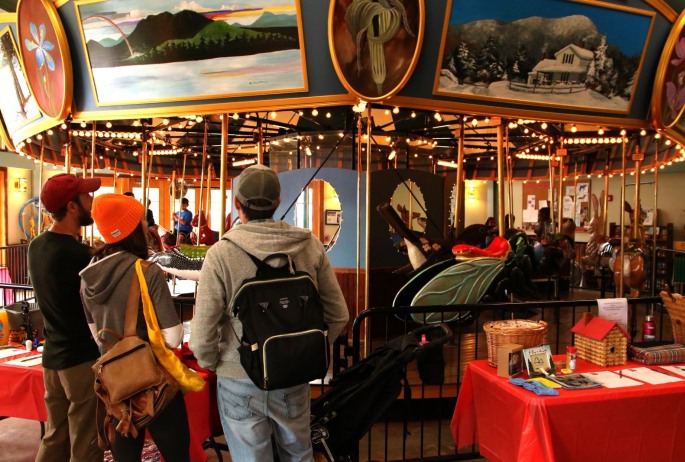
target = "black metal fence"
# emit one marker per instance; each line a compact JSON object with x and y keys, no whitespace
{"x":14,"y":274}
{"x":418,"y":427}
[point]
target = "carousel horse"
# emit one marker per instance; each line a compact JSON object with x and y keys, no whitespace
{"x":184,"y":261}
{"x":207,"y":236}
{"x":634,"y":272}
{"x":599,"y":250}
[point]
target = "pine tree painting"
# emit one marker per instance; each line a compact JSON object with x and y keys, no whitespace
{"x":550,"y":51}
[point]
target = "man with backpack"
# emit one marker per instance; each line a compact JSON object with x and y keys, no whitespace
{"x":268,"y":290}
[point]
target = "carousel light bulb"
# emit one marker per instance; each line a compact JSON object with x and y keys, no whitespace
{"x":574,"y":129}
{"x":392,"y":155}
{"x":668,"y":142}
{"x":387,"y":138}
{"x":396,"y":110}
{"x":643,"y":132}
{"x":600,"y":131}
{"x":235,"y":116}
{"x":437,"y":116}
{"x":543,"y":125}
{"x":315,"y":112}
{"x":328,"y":115}
{"x":320,"y":136}
{"x":474,"y":122}
{"x":165,"y":122}
{"x":520,"y":122}
{"x":623,"y":133}
{"x":492,"y":157}
{"x":39,"y":136}
{"x":487,"y":120}
{"x":661,"y":167}
{"x":273,"y":114}
{"x":50,"y":132}
{"x":198,"y":119}
{"x":413,"y":114}
{"x":526,"y":131}
{"x":657,"y":136}
{"x":83,"y":124}
{"x":63,"y":126}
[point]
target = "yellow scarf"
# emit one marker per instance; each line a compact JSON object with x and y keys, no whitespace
{"x":187,"y":379}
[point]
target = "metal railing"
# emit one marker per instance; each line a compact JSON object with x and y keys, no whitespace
{"x":14,"y":264}
{"x":427,"y":437}
{"x":12,"y":293}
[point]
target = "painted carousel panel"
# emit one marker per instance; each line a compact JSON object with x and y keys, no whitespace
{"x":561,"y":53}
{"x":172,"y":50}
{"x":17,"y":105}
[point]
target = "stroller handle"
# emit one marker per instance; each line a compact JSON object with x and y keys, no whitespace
{"x":437,"y":343}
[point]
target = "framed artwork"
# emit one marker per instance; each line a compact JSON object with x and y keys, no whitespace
{"x":8,"y":6}
{"x":17,"y":105}
{"x":573,"y":54}
{"x":374,"y":59}
{"x":138,"y":53}
{"x":668,"y":101}
{"x":539,"y":359}
{"x":333,"y":217}
{"x":46,"y":58}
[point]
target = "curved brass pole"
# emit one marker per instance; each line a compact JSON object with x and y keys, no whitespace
{"x":654,"y":221}
{"x":459,"y":180}
{"x":222,"y":175}
{"x":500,"y":179}
{"x":623,"y":217}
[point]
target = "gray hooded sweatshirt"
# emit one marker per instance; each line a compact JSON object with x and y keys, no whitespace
{"x":227,"y":266}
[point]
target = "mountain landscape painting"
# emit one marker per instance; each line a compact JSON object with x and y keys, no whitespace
{"x":163,"y":50}
{"x":562,"y":53}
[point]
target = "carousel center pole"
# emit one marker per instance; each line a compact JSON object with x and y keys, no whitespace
{"x":359,"y":211}
{"x":500,"y":179}
{"x":222,"y":175}
{"x":459,"y":180}
{"x":654,"y":222}
{"x":623,"y":217}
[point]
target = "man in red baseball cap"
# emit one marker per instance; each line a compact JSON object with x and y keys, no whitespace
{"x":56,"y":258}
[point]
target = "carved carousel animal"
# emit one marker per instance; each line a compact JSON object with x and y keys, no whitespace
{"x":183,"y":261}
{"x":207,"y":235}
{"x":599,"y":250}
{"x":634,"y":273}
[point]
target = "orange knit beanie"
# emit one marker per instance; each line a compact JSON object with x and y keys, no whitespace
{"x":116,"y":216}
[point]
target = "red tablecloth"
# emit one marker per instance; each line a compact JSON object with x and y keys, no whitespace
{"x":636,"y":424}
{"x":22,"y":395}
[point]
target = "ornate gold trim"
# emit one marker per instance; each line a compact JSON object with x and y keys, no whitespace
{"x":4,"y":136}
{"x":505,"y":112}
{"x":664,"y":8}
{"x":303,"y":58}
{"x":60,"y":3}
{"x":31,"y":130}
{"x":65,"y":53}
{"x":436,"y":83}
{"x":17,"y":50}
{"x":8,"y":18}
{"x":410,"y":70}
{"x":216,"y":108}
{"x":664,"y":61}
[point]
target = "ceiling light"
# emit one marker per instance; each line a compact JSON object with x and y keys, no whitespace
{"x":574,"y":129}
{"x":413,"y":114}
{"x":273,"y":114}
{"x":315,"y":112}
{"x":396,"y":110}
{"x":600,"y":131}
{"x":623,"y":133}
{"x":544,"y":125}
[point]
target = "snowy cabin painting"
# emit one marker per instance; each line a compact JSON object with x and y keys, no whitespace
{"x":555,"y":52}
{"x":570,"y":65}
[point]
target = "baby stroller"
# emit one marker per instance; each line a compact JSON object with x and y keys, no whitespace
{"x":361,"y":394}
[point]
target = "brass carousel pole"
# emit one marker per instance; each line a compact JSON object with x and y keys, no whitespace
{"x":560,"y":192}
{"x":359,"y":210}
{"x":143,"y":167}
{"x":202,"y":179}
{"x":92,"y":171}
{"x":459,"y":180}
{"x":510,"y":178}
{"x":575,"y":191}
{"x":368,"y":226}
{"x":260,"y":144}
{"x":114,"y":182}
{"x":605,"y":206}
{"x":222,"y":175}
{"x":40,"y":184}
{"x":500,"y":179}
{"x":173,"y":191}
{"x":623,"y":216}
{"x":146,"y":187}
{"x":654,"y":221}
{"x":637,"y":210}
{"x":180,"y":191}
{"x":67,"y":154}
{"x":551,"y":186}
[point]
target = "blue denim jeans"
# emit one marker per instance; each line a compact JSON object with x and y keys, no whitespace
{"x":247,"y":413}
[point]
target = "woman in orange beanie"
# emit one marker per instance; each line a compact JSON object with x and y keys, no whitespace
{"x":105,"y":285}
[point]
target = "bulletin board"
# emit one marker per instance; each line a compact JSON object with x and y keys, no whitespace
{"x":539,"y":191}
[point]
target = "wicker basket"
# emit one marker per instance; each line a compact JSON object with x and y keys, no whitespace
{"x":675,"y":304}
{"x":521,"y":331}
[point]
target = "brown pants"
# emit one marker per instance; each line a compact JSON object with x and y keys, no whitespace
{"x":71,"y":434}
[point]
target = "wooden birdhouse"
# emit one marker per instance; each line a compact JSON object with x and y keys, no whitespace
{"x":600,"y":341}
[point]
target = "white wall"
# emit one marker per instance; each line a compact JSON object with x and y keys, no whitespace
{"x":15,"y":200}
{"x":476,"y":209}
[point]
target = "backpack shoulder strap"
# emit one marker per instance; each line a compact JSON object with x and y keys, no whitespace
{"x":133,"y":303}
{"x":259,"y":263}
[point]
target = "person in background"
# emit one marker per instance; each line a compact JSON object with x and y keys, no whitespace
{"x":55,"y":259}
{"x":105,"y":285}
{"x":183,"y":226}
{"x":490,"y":222}
{"x":248,"y":413}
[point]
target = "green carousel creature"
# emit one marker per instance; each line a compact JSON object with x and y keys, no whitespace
{"x":375,"y":23}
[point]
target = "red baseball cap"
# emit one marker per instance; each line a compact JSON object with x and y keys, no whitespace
{"x":59,"y":190}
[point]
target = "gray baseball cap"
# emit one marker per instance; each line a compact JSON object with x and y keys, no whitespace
{"x":258,"y":182}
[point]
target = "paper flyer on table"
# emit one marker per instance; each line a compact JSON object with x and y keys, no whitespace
{"x":11,"y":352}
{"x":651,"y":376}
{"x":611,"y":379}
{"x":26,"y":362}
{"x":614,"y":309}
{"x":678,"y":370}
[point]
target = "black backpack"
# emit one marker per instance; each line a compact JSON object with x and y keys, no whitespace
{"x":285,"y":338}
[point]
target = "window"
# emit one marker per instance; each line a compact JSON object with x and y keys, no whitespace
{"x":215,"y":211}
{"x":304,"y":210}
{"x":153,"y":195}
{"x":568,"y":58}
{"x":102,"y":190}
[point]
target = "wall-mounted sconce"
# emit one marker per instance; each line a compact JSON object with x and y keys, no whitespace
{"x":472,"y":193}
{"x":20,"y":185}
